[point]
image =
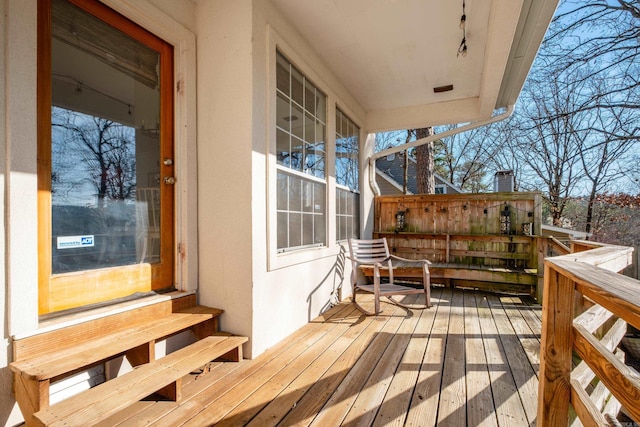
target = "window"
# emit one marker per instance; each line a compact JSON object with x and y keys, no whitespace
{"x":347,"y":178}
{"x":440,"y":189}
{"x":105,"y":141}
{"x":301,"y":154}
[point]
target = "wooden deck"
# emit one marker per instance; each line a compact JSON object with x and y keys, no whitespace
{"x":470,"y":360}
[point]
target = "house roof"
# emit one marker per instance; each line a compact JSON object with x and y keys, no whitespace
{"x":391,"y":54}
{"x":391,"y":169}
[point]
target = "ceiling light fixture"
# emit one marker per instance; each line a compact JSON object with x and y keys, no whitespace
{"x":462,"y":49}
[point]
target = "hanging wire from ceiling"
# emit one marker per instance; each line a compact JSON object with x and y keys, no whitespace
{"x":80,"y":86}
{"x":462,"y":49}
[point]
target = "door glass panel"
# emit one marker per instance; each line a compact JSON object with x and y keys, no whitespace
{"x":105,"y":165}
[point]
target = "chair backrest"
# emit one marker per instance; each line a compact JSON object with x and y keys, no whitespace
{"x":370,"y":252}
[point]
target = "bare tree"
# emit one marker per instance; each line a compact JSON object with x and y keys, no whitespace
{"x":105,"y":148}
{"x":605,"y":155}
{"x":425,"y":168}
{"x":603,"y":36}
{"x":386,"y":140}
{"x":549,"y":139}
{"x":463,"y":159}
{"x":500,"y":144}
{"x":405,"y":175}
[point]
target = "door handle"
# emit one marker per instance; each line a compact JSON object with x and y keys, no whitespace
{"x":169,"y":180}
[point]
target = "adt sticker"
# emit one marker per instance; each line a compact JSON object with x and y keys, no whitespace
{"x":68,"y":242}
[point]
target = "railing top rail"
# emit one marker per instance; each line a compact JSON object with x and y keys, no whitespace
{"x":561,"y":246}
{"x":615,"y":292}
{"x":600,"y":254}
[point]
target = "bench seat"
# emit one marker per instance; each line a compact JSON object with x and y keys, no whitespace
{"x":515,"y":278}
{"x":104,"y":400}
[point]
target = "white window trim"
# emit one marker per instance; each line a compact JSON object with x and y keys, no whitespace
{"x":277,"y":260}
{"x":345,"y":188}
{"x":360,"y":182}
{"x":444,"y":188}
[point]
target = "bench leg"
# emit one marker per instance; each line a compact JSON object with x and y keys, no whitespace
{"x":31,"y":396}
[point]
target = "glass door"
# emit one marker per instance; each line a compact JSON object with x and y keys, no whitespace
{"x":105,"y":157}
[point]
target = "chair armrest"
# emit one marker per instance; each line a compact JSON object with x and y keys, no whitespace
{"x":426,"y":261}
{"x":362,"y":262}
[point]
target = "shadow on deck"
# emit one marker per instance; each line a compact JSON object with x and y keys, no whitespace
{"x":472,"y":360}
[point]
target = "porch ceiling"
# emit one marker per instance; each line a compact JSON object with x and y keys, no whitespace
{"x":391,"y":54}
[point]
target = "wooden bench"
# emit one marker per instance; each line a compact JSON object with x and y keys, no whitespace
{"x":478,"y":276}
{"x":503,"y":263}
{"x":42,"y":359}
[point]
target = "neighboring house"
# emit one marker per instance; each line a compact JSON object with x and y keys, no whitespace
{"x":220,"y":147}
{"x":390,"y":177}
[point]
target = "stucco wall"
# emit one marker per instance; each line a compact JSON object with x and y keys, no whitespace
{"x":224,"y":159}
{"x":263,"y":298}
{"x":292,"y":288}
{"x":18,"y":140}
{"x":237,"y":269}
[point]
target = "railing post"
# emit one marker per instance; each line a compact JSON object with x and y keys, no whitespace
{"x":556,"y":349}
{"x":539,"y":250}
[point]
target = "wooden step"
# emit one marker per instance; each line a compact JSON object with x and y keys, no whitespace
{"x":112,"y":396}
{"x":62,"y":360}
{"x":49,"y":356}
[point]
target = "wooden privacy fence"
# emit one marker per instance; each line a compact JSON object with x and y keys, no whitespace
{"x":489,"y":241}
{"x":587,"y":306}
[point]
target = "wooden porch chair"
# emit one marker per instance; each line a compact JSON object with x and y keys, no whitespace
{"x":376,"y":253}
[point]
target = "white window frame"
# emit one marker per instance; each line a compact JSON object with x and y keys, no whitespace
{"x":346,"y":188}
{"x":305,"y":177}
{"x":279,"y":259}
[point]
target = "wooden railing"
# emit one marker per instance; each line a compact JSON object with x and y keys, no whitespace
{"x":587,"y":306}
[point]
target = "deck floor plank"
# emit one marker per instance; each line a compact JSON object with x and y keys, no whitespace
{"x":306,"y":408}
{"x":423,"y":408}
{"x":339,"y":404}
{"x":523,"y":373}
{"x":394,"y":408}
{"x":293,"y":395}
{"x":452,"y":408}
{"x":480,"y":409}
{"x":267,"y":392}
{"x":234,"y":393}
{"x":529,"y":338}
{"x":366,"y":406}
{"x":507,"y":403}
{"x":470,"y":360}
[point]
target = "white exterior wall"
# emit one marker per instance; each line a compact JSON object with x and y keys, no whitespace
{"x":18,"y":168}
{"x":265,"y":296}
{"x":225,"y":169}
{"x":292,"y":288}
{"x":19,"y":303}
{"x":224,"y":160}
